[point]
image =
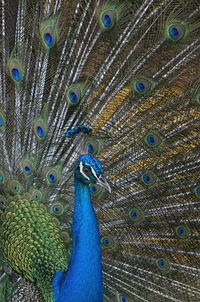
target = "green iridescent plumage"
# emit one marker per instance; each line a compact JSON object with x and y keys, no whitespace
{"x":31,"y":228}
{"x":49,"y":32}
{"x":130,"y":71}
{"x":15,"y":69}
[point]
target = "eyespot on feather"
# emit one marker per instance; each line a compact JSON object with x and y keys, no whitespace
{"x":49,"y":31}
{"x":153,"y":140}
{"x":136,"y":215}
{"x":108,"y":19}
{"x":122,"y":298}
{"x":182,"y":232}
{"x":93,"y":146}
{"x":143,"y":86}
{"x":40,"y":129}
{"x":52,"y":177}
{"x":95,"y":190}
{"x":149,"y":179}
{"x":37,"y":195}
{"x":3,"y":202}
{"x":27,"y":167}
{"x":16,"y":70}
{"x":176,"y":31}
{"x":14,"y":186}
{"x":74,"y":94}
{"x":108,"y":243}
{"x":163,"y":264}
{"x":57,"y":209}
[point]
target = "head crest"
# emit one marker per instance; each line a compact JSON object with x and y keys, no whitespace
{"x":80,"y":132}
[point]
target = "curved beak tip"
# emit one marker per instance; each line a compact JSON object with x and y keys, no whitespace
{"x":102,"y":181}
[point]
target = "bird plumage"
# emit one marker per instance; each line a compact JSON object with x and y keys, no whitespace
{"x":83,"y":279}
{"x":129,"y":70}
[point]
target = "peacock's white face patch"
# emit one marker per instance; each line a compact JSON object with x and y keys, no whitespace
{"x":86,"y":170}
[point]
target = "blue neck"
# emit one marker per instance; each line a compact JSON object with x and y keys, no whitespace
{"x":83,"y":279}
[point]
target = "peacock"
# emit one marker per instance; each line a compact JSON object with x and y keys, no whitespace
{"x":100,"y":150}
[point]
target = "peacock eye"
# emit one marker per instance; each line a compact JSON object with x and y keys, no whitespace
{"x":87,"y":170}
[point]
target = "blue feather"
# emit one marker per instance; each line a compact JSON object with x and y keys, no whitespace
{"x":83,"y":280}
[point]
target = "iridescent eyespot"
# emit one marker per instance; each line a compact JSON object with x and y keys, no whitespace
{"x":108,"y":242}
{"x":163,"y":264}
{"x":74,"y":95}
{"x":93,"y":146}
{"x":148,"y":179}
{"x":16,"y":70}
{"x":15,"y":186}
{"x":16,"y":74}
{"x":57,"y":209}
{"x":176,"y":31}
{"x":95,"y":190}
{"x":40,"y":129}
{"x":182,"y":231}
{"x":142,"y":86}
{"x":27,"y":170}
{"x":90,"y":148}
{"x":48,"y":38}
{"x":27,"y":167}
{"x":108,"y":19}
{"x":51,"y":177}
{"x":3,"y":202}
{"x":122,"y":298}
{"x":49,"y":31}
{"x":153,"y":140}
{"x":136,"y":214}
{"x":37,"y":195}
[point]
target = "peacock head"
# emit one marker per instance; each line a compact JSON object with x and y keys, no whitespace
{"x":89,"y":170}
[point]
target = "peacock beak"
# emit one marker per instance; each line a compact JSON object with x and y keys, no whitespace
{"x":103,"y":182}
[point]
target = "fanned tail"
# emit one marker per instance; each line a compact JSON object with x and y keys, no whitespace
{"x":130,"y":71}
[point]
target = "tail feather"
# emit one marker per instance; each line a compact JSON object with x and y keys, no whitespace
{"x":130,"y":71}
